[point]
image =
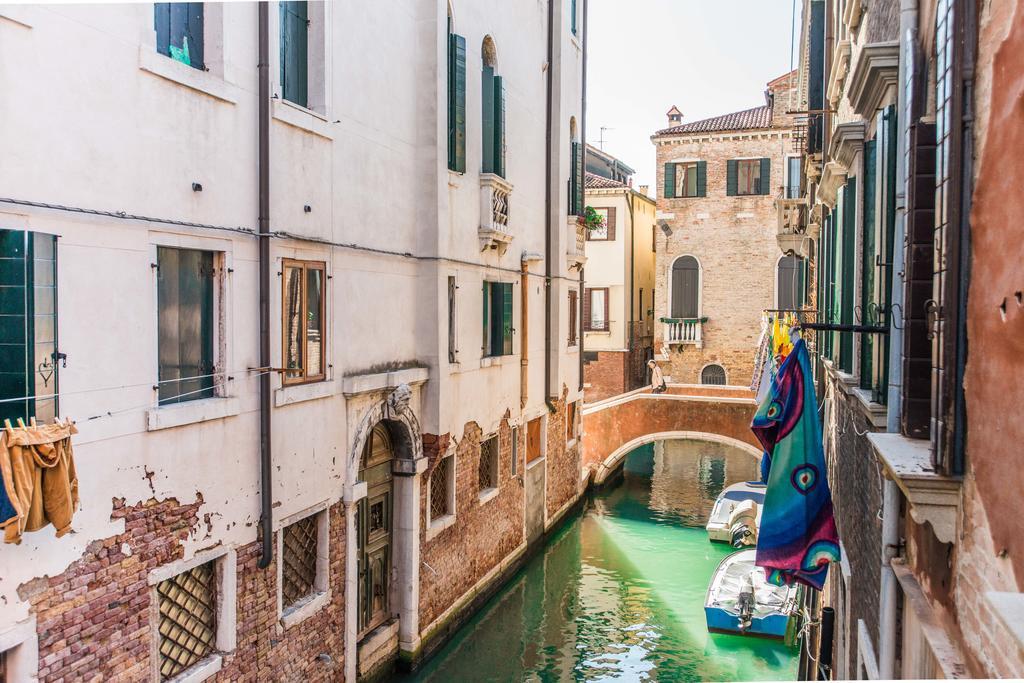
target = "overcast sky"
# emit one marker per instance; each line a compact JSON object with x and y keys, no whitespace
{"x":707,"y":57}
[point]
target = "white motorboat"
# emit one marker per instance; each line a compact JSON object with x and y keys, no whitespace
{"x":741,"y":601}
{"x":736,"y":515}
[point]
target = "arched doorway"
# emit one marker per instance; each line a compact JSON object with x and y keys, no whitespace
{"x":685,"y":288}
{"x":374,"y":524}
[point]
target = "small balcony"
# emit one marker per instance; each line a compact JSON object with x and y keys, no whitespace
{"x":679,"y":331}
{"x":792,"y":227}
{"x":495,"y":194}
{"x":575,"y":243}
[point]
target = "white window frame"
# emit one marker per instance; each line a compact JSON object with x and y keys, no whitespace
{"x":226,"y":571}
{"x":320,"y":596}
{"x":436,"y":526}
{"x":700,"y":284}
{"x":786,"y":177}
{"x":700,"y":376}
{"x":318,"y":60}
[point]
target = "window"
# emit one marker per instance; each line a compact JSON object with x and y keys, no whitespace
{"x":179,"y":32}
{"x":573,"y":320}
{"x":453,"y":347}
{"x":28,"y":325}
{"x":515,"y":451}
{"x":493,"y":114}
{"x":748,"y":176}
{"x":685,"y":302}
{"x":606,"y":231}
{"x":497,"y":317}
{"x":791,"y":273}
{"x":187,"y":629}
{"x":456,"y":101}
{"x":294,"y":18}
{"x":488,"y":473}
{"x":442,"y":488}
{"x":303,"y":563}
{"x":687,"y":179}
{"x":595,"y":309}
{"x":576,"y":170}
{"x":185,"y":303}
{"x":793,"y":173}
{"x":570,"y":422}
{"x":573,"y":17}
{"x":534,"y":439}
{"x":713,"y":374}
{"x":303,"y":325}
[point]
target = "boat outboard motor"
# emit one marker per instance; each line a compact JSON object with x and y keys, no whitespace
{"x":745,"y":604}
{"x":743,"y":524}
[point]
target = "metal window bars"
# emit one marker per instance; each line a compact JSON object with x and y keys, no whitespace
{"x":298,"y":560}
{"x":488,"y":464}
{"x":188,"y":618}
{"x":439,"y":489}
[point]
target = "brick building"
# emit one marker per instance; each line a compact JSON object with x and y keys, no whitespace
{"x":618,"y":296}
{"x":719,"y":260}
{"x":909,"y":164}
{"x":316,"y":345}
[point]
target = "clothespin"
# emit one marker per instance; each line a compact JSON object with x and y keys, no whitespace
{"x":21,"y":423}
{"x":7,"y":425}
{"x":32,"y":420}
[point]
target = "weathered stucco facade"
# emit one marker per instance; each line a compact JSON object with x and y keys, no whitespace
{"x":169,"y":155}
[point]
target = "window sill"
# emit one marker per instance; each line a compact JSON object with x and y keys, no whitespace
{"x":488,"y":361}
{"x":201,"y":671}
{"x":488,"y":494}
{"x":298,"y":393}
{"x":571,"y":443}
{"x":455,"y":178}
{"x":305,"y":608}
{"x":438,"y":525}
{"x":191,"y":412}
{"x":533,"y":463}
{"x":204,"y":82}
{"x":301,"y":118}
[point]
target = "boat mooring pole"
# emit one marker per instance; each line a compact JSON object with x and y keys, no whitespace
{"x":828,"y":621}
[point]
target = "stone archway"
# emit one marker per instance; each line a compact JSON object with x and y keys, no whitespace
{"x":610,"y":463}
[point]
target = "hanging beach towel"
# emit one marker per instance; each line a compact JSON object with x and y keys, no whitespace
{"x":797,"y":538}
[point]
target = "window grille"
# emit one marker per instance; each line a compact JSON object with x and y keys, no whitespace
{"x":188,"y":618}
{"x":713,"y":374}
{"x":515,"y":451}
{"x":489,"y":464}
{"x":298,"y":560}
{"x":439,"y":489}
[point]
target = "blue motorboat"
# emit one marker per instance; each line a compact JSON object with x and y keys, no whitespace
{"x":740,"y":601}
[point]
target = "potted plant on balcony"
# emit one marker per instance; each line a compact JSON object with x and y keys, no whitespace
{"x":591,"y":219}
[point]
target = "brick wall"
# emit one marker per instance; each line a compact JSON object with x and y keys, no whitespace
{"x":605,"y":376}
{"x":94,"y":619}
{"x":563,"y":462}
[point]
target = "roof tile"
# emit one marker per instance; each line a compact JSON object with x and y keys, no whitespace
{"x":748,"y":119}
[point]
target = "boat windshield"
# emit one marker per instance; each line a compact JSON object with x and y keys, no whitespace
{"x":756,"y":496}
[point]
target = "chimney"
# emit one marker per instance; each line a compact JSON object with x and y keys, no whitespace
{"x":675,"y":117}
{"x":644,"y":190}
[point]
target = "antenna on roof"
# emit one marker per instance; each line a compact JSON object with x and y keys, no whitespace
{"x":600,"y":142}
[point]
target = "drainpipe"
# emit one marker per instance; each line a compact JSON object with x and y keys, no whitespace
{"x":548,"y":223}
{"x":266,"y":491}
{"x":632,"y":268}
{"x":583,"y":137}
{"x":887,"y":585}
{"x":524,"y":324}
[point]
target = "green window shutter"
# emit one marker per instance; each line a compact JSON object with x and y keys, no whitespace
{"x":576,"y":179}
{"x":487,"y":120}
{"x":457,"y":103}
{"x":670,"y":181}
{"x":867,"y":267}
{"x":766,"y":175}
{"x":294,"y":52}
{"x":499,"y":126}
{"x":888,"y":126}
{"x":506,"y":318}
{"x":486,"y":345}
{"x":731,"y":174}
{"x":702,"y":179}
{"x":572,"y":11}
{"x":581,"y":175}
{"x":849,"y":247}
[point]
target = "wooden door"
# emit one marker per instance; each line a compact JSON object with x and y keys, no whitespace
{"x":375,"y":532}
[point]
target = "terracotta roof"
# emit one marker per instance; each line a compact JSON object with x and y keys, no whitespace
{"x":758,"y":117}
{"x":597,"y":182}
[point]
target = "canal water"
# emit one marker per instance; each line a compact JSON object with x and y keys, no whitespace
{"x":618,"y":593}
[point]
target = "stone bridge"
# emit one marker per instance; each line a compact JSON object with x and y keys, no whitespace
{"x":615,"y":426}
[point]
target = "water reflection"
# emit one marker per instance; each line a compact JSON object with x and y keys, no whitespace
{"x":618,"y":593}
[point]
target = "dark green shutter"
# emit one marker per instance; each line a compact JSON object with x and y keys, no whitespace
{"x":457,"y":103}
{"x":506,"y":318}
{"x":486,"y":346}
{"x":888,"y":126}
{"x":179,"y":24}
{"x":195,"y":34}
{"x":576,"y":180}
{"x":849,"y":267}
{"x":670,"y":181}
{"x":295,"y":52}
{"x":487,"y":120}
{"x":869,"y":315}
{"x":572,"y":10}
{"x":581,"y":174}
{"x":702,"y":179}
{"x":766,"y":175}
{"x":731,"y":174}
{"x":499,"y":126}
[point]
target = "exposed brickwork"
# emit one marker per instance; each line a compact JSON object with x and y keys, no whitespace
{"x":605,"y":376}
{"x":94,"y":619}
{"x":483,"y":534}
{"x":562,"y":462}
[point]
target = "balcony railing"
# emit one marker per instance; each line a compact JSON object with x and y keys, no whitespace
{"x":495,"y":193}
{"x":575,"y":242}
{"x":792,"y":223}
{"x":684,"y":331}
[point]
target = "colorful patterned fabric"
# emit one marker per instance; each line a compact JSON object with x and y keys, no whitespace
{"x":797,"y":539}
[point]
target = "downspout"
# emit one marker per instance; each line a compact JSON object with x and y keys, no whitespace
{"x":548,"y":160}
{"x":266,"y":491}
{"x":583,"y":137}
{"x":632,"y":267}
{"x":524,"y":355}
{"x":887,"y":594}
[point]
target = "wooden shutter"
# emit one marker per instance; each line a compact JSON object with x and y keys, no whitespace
{"x":731,"y":175}
{"x":702,"y":179}
{"x":573,"y":322}
{"x":486,"y":345}
{"x":766,"y":175}
{"x":533,"y":444}
{"x":581,"y":175}
{"x":572,"y":10}
{"x":487,"y":120}
{"x":670,"y":181}
{"x":611,"y":223}
{"x":848,"y":269}
{"x":499,"y":126}
{"x":294,"y":52}
{"x":586,"y":308}
{"x":867,"y":266}
{"x":575,"y":180}
{"x":506,"y":318}
{"x":607,"y":296}
{"x":457,"y":103}
{"x":195,"y":35}
{"x":162,"y":24}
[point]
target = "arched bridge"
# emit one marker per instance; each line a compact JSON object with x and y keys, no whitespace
{"x":617,"y":425}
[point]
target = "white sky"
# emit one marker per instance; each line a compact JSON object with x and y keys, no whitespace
{"x":707,"y":57}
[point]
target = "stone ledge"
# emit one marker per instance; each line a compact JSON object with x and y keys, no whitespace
{"x":876,"y":73}
{"x":354,"y":385}
{"x":191,"y":412}
{"x":944,"y":650}
{"x":1009,"y":609}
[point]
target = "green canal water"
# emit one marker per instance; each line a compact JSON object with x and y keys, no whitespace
{"x":618,"y":592}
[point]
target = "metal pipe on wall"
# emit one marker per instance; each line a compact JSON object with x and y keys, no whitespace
{"x":266,"y":490}
{"x":887,"y":593}
{"x":524,"y":351}
{"x":548,"y":224}
{"x":583,"y":138}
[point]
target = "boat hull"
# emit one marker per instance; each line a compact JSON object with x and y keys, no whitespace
{"x":772,"y":626}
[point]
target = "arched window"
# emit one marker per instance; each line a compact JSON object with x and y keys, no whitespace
{"x":493,"y":111}
{"x":791,"y":283}
{"x":685,"y":287}
{"x":713,"y":374}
